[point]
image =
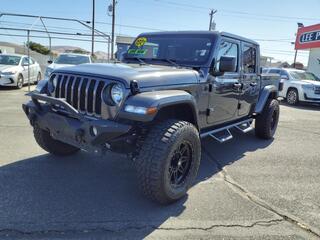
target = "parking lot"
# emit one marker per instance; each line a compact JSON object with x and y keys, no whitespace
{"x":246,"y":189}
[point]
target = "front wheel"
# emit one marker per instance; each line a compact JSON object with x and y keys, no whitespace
{"x":292,"y":97}
{"x":20,"y":82}
{"x":47,"y":143}
{"x":267,"y":122}
{"x":169,"y":160}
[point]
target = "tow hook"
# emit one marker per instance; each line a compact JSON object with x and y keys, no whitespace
{"x":79,"y":135}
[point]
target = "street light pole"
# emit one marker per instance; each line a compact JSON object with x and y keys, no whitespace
{"x":93,"y":22}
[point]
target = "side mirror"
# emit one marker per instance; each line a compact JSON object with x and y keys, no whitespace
{"x":226,"y":64}
{"x":50,"y":61}
{"x":25,"y":64}
{"x":284,"y":77}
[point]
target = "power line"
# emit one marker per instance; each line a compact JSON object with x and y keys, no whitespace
{"x":192,"y":6}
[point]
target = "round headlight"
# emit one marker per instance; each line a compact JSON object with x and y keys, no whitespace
{"x":117,"y":93}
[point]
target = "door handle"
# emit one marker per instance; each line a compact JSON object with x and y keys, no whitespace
{"x":253,"y":84}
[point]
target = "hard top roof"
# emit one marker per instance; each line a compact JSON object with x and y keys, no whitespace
{"x":193,"y":32}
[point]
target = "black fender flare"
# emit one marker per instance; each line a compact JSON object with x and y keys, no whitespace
{"x":158,"y":100}
{"x":265,"y":93}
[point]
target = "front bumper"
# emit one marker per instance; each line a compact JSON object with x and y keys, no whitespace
{"x":8,"y":80}
{"x":71,"y":127}
{"x":311,"y":96}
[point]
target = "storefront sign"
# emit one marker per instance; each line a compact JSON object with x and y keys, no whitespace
{"x":308,"y":37}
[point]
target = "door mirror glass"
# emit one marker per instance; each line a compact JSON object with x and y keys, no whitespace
{"x":227,"y":64}
{"x":284,"y":77}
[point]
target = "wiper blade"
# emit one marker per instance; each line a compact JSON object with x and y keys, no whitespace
{"x":172,"y":61}
{"x":139,"y":59}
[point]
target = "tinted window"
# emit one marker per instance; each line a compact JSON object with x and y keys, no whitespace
{"x":72,"y":59}
{"x":228,"y":49}
{"x":249,"y":59}
{"x":9,"y":60}
{"x":275,"y":71}
{"x":185,"y":49}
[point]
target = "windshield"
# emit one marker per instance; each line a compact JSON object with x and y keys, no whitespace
{"x":182,"y":49}
{"x":72,"y":59}
{"x":304,"y":76}
{"x":9,"y":60}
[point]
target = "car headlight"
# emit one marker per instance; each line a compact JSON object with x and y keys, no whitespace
{"x":9,"y":73}
{"x":117,"y":93}
{"x":52,"y":84}
{"x":308,"y":86}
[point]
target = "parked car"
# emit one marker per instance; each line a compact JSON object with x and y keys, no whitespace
{"x":67,"y":60}
{"x":172,"y":89}
{"x":298,"y":85}
{"x":14,"y":70}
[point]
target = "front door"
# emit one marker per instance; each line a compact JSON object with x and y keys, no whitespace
{"x":224,"y":95}
{"x":249,"y":79}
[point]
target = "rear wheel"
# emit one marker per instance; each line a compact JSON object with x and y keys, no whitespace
{"x":20,"y":82}
{"x":51,"y":145}
{"x":267,"y":122}
{"x":292,"y":97}
{"x":169,"y":160}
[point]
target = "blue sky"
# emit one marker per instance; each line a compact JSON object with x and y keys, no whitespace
{"x":273,"y":23}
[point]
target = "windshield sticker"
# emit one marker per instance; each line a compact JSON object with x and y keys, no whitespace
{"x":140,"y":41}
{"x":138,"y":51}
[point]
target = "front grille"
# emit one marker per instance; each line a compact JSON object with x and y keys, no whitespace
{"x":317,"y":90}
{"x":83,"y":93}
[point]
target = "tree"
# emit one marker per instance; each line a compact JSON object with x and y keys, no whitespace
{"x":37,"y":47}
{"x":80,"y":51}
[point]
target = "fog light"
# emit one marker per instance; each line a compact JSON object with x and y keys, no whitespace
{"x":94,"y":131}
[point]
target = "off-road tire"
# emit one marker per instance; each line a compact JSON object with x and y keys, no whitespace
{"x":51,"y":145}
{"x":292,"y":97}
{"x":20,"y":82}
{"x":156,"y":156}
{"x":266,"y":123}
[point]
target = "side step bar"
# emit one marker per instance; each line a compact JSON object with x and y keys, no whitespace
{"x":223,"y":134}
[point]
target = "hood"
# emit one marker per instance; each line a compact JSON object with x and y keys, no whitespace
{"x":56,"y":65}
{"x":145,"y":75}
{"x":7,"y":68}
{"x":316,"y":83}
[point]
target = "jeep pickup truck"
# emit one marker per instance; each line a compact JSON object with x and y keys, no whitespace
{"x":171,"y":90}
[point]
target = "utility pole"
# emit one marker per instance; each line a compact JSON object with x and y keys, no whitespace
{"x":93,"y":21}
{"x":212,"y":24}
{"x":112,"y":9}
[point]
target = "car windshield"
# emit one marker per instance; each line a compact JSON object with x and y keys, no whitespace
{"x":72,"y":59}
{"x":304,"y":76}
{"x":180,"y":49}
{"x":9,"y":60}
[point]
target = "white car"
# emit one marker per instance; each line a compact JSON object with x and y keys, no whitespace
{"x":14,"y":70}
{"x":66,"y":60}
{"x":298,"y":85}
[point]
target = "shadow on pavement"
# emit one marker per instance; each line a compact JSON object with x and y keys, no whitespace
{"x":85,"y":192}
{"x":303,"y":106}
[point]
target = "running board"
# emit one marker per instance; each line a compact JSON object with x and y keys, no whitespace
{"x":223,"y":134}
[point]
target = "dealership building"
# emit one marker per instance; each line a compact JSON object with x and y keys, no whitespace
{"x":308,"y":38}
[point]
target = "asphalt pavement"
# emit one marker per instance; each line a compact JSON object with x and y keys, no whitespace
{"x":246,"y":188}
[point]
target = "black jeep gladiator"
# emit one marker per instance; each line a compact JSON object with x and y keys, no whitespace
{"x":171,"y":90}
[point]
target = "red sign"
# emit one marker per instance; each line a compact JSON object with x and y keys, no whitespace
{"x":308,"y":37}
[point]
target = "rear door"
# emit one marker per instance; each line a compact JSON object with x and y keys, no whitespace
{"x":224,"y":95}
{"x":250,"y":79}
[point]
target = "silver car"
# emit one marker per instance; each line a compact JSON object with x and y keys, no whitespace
{"x":14,"y":70}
